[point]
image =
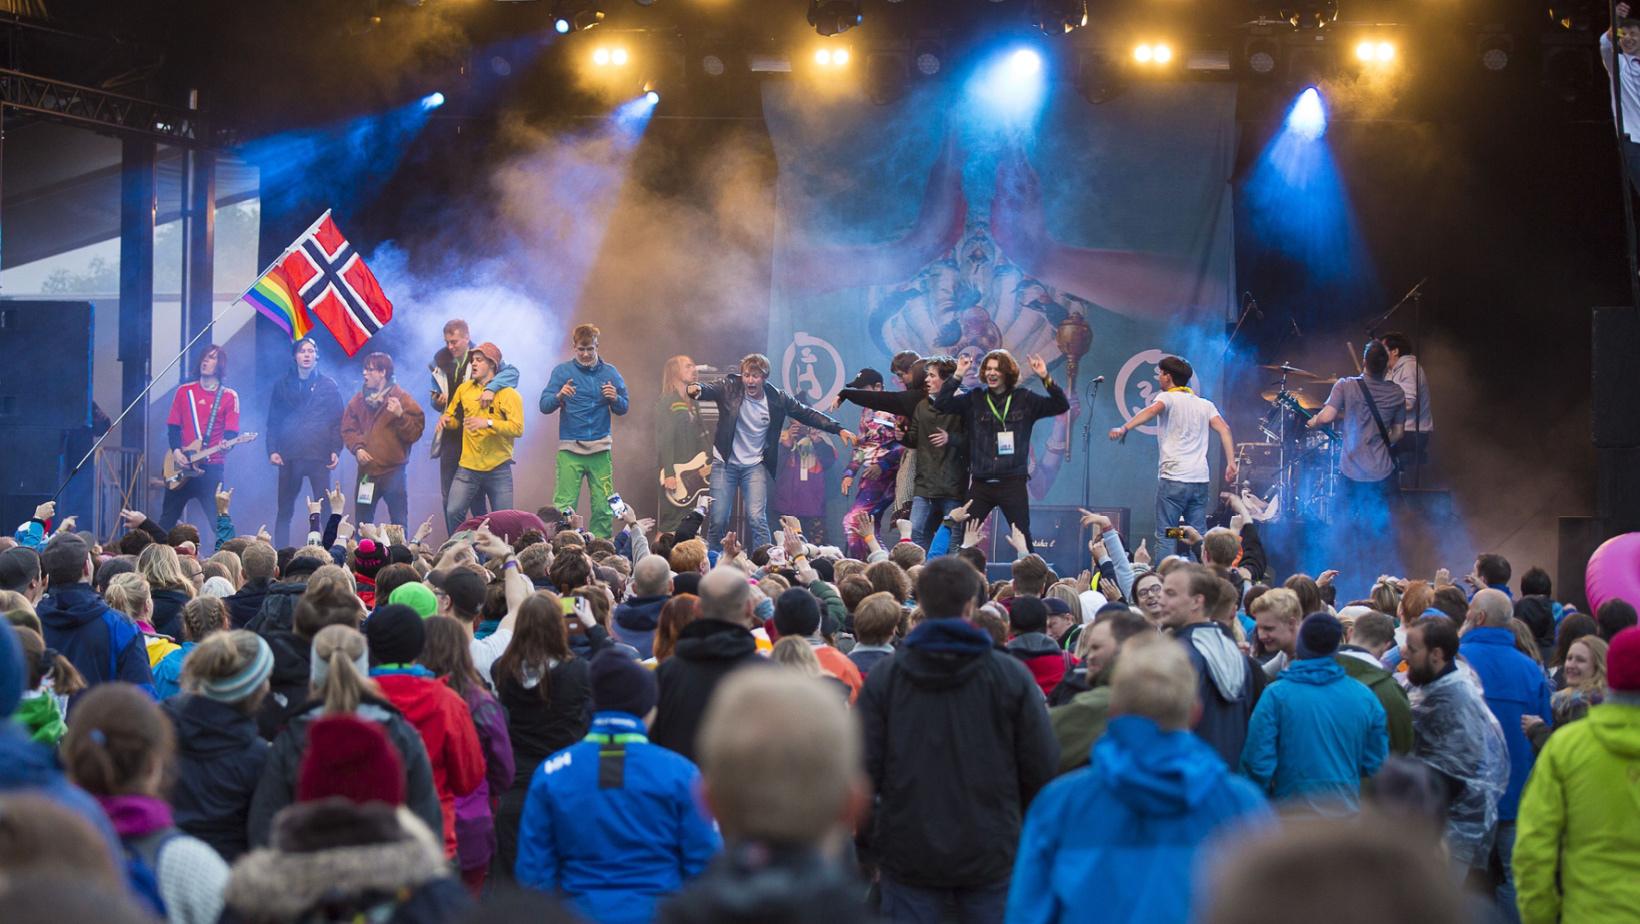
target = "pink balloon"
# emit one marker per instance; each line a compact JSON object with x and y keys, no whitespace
{"x":1614,"y":572}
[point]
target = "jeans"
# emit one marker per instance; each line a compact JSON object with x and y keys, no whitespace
{"x":390,"y":489}
{"x":495,"y":486}
{"x":1176,"y":500}
{"x":1007,"y":493}
{"x":291,"y":476}
{"x":752,"y":483}
{"x":566,"y":492}
{"x":973,"y":905}
{"x":1503,"y":855}
{"x":926,"y":515}
{"x":202,"y":489}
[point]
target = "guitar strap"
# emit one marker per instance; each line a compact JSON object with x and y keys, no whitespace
{"x":205,"y":434}
{"x":1379,"y":420}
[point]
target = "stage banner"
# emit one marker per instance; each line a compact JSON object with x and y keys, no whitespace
{"x":1099,"y":236}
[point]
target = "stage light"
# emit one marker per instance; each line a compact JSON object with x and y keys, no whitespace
{"x":1024,"y":64}
{"x":652,"y":96}
{"x":929,"y":57}
{"x":432,"y":100}
{"x":831,"y":58}
{"x":576,"y":15}
{"x":600,"y":57}
{"x":832,"y":17}
{"x":618,"y":57}
{"x":1153,"y":53}
{"x":1374,"y":52}
{"x":712,"y":65}
{"x":1057,"y":17}
{"x":1261,"y":55}
{"x":562,"y":26}
{"x":1308,"y":117}
{"x":1142,"y":54}
{"x":1495,"y":51}
{"x":611,"y":56}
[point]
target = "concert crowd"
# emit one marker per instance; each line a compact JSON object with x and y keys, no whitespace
{"x":736,"y":711}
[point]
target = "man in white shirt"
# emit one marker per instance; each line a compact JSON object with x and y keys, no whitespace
{"x":1404,"y":370}
{"x":1183,"y":472}
{"x":1628,"y":65}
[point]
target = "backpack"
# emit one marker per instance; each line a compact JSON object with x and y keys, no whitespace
{"x":142,"y":856}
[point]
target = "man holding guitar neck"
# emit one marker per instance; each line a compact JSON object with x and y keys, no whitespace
{"x":204,"y":413}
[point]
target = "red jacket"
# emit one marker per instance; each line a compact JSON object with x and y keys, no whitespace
{"x":446,"y":728}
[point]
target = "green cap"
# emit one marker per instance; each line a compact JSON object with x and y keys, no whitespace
{"x":417,"y":597}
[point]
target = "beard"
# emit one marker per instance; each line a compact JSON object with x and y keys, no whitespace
{"x":1420,"y":674}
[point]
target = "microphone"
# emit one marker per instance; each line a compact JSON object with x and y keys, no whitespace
{"x":1097,"y":379}
{"x":1248,"y":301}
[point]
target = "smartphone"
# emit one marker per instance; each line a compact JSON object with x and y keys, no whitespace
{"x":1174,"y":532}
{"x":568,"y":604}
{"x":616,"y":505}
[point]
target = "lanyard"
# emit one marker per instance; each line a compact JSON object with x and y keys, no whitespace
{"x":1183,"y":388}
{"x":1002,"y":418}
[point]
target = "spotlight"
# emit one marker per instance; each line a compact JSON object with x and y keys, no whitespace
{"x":832,"y":17}
{"x":929,"y":57}
{"x":712,"y":65}
{"x":432,"y":100}
{"x":652,"y":96}
{"x":1261,"y":55}
{"x":1142,"y":54}
{"x":1024,"y":63}
{"x":600,"y":57}
{"x":1371,"y":51}
{"x":576,"y":15}
{"x":1308,"y":117}
{"x":618,"y":57}
{"x":1057,"y":17}
{"x":831,"y":58}
{"x":1495,"y":51}
{"x":1158,"y":53}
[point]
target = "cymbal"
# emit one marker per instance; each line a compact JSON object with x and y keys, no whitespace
{"x":1291,"y":370}
{"x":1306,"y":402}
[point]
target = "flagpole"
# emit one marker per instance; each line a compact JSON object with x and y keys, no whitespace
{"x":283,"y":254}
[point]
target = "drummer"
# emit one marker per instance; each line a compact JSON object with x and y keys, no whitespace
{"x":1183,"y":473}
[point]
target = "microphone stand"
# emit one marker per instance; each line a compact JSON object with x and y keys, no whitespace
{"x":1087,"y":441}
{"x":1414,"y":294}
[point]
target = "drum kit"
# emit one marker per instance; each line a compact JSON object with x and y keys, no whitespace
{"x":1294,"y":468}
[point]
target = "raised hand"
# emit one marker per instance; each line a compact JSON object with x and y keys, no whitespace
{"x":262,"y":534}
{"x":964,"y":363}
{"x":45,"y":511}
{"x":223,"y":499}
{"x":903,"y":527}
{"x":1098,"y":521}
{"x":1142,"y":555}
{"x":314,"y":506}
{"x":132,"y":518}
{"x":337,"y":499}
{"x":791,"y":525}
{"x":1326,"y":577}
{"x":1038,"y":365}
{"x":793,"y":545}
{"x":333,"y":460}
{"x":424,"y":530}
{"x":958,"y":514}
{"x":344,"y":530}
{"x":1443,"y":578}
{"x":368,"y":531}
{"x":973,"y":533}
{"x":67,"y":524}
{"x":731,"y":545}
{"x":395,"y":534}
{"x":1016,"y":538}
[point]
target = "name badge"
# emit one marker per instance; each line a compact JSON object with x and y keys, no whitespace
{"x":1005,"y":443}
{"x":367,"y":491}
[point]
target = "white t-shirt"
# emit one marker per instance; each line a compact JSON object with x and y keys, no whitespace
{"x":751,"y":430}
{"x":486,"y":651}
{"x":1183,"y":439}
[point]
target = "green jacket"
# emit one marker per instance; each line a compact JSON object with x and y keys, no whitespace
{"x":831,"y":603}
{"x":39,"y":717}
{"x":1080,"y":722}
{"x":1577,"y":840}
{"x":1397,"y":710}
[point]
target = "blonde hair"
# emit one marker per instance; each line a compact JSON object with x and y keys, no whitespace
{"x":236,"y":568}
{"x":1065,"y":591}
{"x":1153,"y":678}
{"x":333,"y":576}
{"x":755,"y":361}
{"x":202,"y":617}
{"x":129,"y":594}
{"x":220,"y":656}
{"x":160,"y":565}
{"x":672,"y":375}
{"x":781,"y":757}
{"x":797,"y":654}
{"x":1596,"y":683}
{"x":1282,"y":601}
{"x":343,"y":686}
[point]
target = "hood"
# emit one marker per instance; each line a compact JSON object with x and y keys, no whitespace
{"x":641,"y":614}
{"x":715,"y":640}
{"x":206,"y":728}
{"x":1314,"y":671}
{"x":1225,"y":662}
{"x":291,"y":657}
{"x":1617,"y":727}
{"x":943,"y":653}
{"x":1155,"y":772}
{"x":1034,"y":645}
{"x":1538,"y":612}
{"x":69,"y":608}
{"x":1486,"y":635}
{"x":417,"y":697}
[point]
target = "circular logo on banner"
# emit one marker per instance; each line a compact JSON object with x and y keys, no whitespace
{"x":1139,"y":372}
{"x":811,"y":369}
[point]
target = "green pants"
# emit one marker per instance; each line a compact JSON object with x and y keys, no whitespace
{"x":600,"y":477}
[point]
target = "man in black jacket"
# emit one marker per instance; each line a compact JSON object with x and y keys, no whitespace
{"x":261,"y":566}
{"x":746,"y":446}
{"x":999,"y":418}
{"x":708,"y":650}
{"x":304,"y":432}
{"x":957,"y":743}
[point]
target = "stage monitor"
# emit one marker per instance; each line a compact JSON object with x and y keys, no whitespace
{"x":46,"y":381}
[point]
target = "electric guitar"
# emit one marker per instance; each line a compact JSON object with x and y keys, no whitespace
{"x":1287,"y":400}
{"x":178,"y":475}
{"x":692,"y":481}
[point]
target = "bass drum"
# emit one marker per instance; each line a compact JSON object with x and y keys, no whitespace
{"x":1260,"y":465}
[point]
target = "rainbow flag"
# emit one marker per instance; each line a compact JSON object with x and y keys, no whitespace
{"x":280,"y":302}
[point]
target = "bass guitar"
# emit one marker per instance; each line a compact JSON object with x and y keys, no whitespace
{"x":178,"y":475}
{"x":692,"y":481}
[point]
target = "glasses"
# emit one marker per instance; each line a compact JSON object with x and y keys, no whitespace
{"x":1153,"y":591}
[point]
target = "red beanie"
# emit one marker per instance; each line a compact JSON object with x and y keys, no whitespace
{"x":1623,"y":661}
{"x":352,"y":758}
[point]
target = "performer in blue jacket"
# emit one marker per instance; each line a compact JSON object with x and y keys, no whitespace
{"x":611,"y":823}
{"x":588,"y":389}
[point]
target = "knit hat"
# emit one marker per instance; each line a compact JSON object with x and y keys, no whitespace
{"x":400,"y":555}
{"x":416,"y":596}
{"x":396,"y":635}
{"x":12,"y":675}
{"x":797,"y":613}
{"x":1319,"y":635}
{"x":217,"y":586}
{"x":369,"y":557}
{"x":352,"y":758}
{"x":1622,"y":662}
{"x":237,"y":687}
{"x":620,"y":684}
{"x":1027,"y":614}
{"x":465,"y":589}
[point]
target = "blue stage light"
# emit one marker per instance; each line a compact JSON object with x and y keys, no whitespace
{"x":653,"y":97}
{"x":1308,"y":117}
{"x":1024,"y":64}
{"x":562,"y":26}
{"x":1011,"y":85}
{"x":432,"y":100}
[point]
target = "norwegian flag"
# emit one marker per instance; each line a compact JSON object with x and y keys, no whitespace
{"x":337,"y":287}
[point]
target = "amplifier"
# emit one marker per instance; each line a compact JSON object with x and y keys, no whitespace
{"x":1057,"y":535}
